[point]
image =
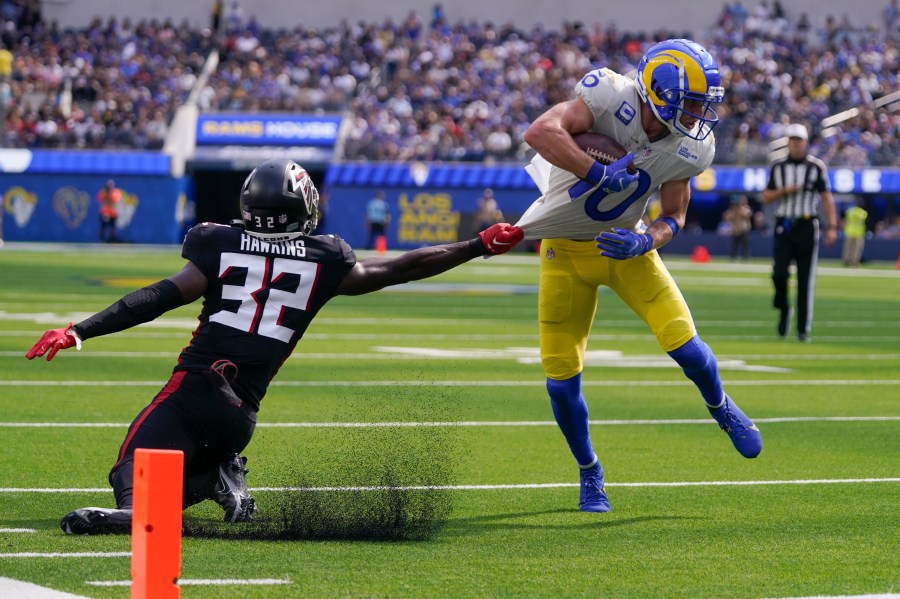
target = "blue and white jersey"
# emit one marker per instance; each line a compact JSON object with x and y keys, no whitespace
{"x":614,"y":101}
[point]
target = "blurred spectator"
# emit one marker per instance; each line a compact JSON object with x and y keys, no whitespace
{"x":760,"y":223}
{"x":487,"y":212}
{"x":738,"y":216}
{"x":109,"y":198}
{"x":6,"y":63}
{"x":215,"y":17}
{"x":378,"y":216}
{"x":854,"y":234}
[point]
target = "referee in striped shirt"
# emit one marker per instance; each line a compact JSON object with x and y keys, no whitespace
{"x":795,"y":183}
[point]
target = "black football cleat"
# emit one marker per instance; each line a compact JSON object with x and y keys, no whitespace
{"x":231,"y":490}
{"x":96,"y":521}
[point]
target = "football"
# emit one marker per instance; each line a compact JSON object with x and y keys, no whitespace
{"x":602,"y":148}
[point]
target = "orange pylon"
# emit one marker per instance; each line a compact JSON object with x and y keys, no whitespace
{"x":156,"y":524}
{"x":381,"y":244}
{"x":701,"y":254}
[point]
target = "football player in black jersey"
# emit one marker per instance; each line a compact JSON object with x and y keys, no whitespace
{"x":263,"y":279}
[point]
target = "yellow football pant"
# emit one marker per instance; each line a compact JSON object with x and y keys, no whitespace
{"x":571,"y":272}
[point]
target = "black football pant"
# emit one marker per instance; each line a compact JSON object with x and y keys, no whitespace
{"x":188,"y":415}
{"x":796,"y":240}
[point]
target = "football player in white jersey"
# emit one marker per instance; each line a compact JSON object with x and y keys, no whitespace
{"x":664,"y":118}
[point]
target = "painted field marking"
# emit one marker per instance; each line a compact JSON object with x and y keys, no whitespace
{"x":420,"y":383}
{"x":198,"y":582}
{"x":10,"y":587}
{"x":18,"y":530}
{"x":713,"y":483}
{"x":876,"y":596}
{"x":31,"y":554}
{"x":476,"y":423}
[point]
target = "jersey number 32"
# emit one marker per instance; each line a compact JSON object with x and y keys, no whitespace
{"x":264,"y":318}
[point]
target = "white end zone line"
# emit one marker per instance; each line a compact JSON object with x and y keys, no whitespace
{"x":712,"y":483}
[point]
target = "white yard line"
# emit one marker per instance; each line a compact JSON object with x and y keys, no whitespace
{"x":31,"y":554}
{"x":477,"y":423}
{"x":876,"y":596}
{"x":199,"y":582}
{"x":614,"y":358}
{"x":2,"y":530}
{"x":712,"y":483}
{"x":520,"y":383}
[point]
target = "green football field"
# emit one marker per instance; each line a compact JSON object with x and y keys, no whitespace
{"x":408,"y":449}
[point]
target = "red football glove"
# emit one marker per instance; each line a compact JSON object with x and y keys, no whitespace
{"x":53,"y":341}
{"x":500,"y":238}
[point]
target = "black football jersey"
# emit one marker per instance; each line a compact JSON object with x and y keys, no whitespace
{"x":261,"y":298}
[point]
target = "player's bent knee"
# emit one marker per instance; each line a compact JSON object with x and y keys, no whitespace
{"x":561,"y":368}
{"x":675,"y":334}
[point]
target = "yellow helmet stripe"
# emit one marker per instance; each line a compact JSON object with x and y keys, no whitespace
{"x":689,"y":68}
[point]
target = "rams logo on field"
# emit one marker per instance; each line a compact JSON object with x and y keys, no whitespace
{"x":71,"y":205}
{"x":19,"y":202}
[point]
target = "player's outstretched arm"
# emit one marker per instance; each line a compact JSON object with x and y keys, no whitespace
{"x":135,"y":308}
{"x":373,"y":274}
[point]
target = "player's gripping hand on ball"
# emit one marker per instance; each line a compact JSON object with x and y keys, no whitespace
{"x":52,"y":341}
{"x":500,"y":238}
{"x":611,"y":178}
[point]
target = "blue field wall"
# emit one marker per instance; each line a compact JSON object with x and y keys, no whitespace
{"x":64,"y":208}
{"x":52,"y":196}
{"x":434,"y":204}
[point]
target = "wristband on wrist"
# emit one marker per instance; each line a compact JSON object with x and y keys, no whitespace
{"x":595,"y":173}
{"x":673,"y":225}
{"x":477,"y":247}
{"x":71,"y":333}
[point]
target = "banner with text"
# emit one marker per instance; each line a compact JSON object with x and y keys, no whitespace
{"x":417,"y":217}
{"x":267,"y":129}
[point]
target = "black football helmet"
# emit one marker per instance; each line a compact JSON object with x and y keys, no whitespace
{"x":279,"y":200}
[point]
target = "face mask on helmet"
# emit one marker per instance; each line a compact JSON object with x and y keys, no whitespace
{"x":679,"y":81}
{"x":279,"y":201}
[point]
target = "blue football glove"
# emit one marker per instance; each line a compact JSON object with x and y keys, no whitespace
{"x":611,"y":179}
{"x":621,"y":244}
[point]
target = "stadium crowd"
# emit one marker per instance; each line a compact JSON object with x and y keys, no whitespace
{"x":110,"y":85}
{"x":438,"y":90}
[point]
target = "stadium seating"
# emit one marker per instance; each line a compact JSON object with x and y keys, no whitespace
{"x":440,"y":91}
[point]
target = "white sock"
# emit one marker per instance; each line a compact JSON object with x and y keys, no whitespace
{"x":589,"y":466}
{"x":721,"y":403}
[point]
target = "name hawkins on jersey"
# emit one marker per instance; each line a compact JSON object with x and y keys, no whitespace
{"x":290,"y":247}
